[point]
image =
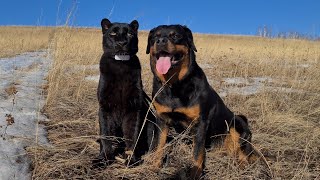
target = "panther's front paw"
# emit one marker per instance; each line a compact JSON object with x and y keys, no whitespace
{"x":131,"y":159}
{"x":101,"y":162}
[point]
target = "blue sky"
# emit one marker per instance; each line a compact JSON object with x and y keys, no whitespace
{"x":210,"y":16}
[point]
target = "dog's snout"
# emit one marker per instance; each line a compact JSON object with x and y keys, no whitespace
{"x":162,"y":41}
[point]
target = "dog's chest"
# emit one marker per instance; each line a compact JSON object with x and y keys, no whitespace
{"x":177,"y":104}
{"x":185,"y":115}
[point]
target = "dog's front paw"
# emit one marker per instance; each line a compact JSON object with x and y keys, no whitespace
{"x":195,"y":173}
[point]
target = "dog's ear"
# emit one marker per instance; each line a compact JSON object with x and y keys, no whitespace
{"x":105,"y":25}
{"x":134,"y":25}
{"x":190,"y":38}
{"x":149,"y":40}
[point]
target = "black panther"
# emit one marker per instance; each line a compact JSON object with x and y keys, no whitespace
{"x":122,"y":102}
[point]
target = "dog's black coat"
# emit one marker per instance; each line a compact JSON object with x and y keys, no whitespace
{"x":189,"y":94}
{"x":122,"y":102}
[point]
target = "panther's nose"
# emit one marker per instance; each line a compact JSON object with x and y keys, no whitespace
{"x":122,"y":43}
{"x":162,"y":41}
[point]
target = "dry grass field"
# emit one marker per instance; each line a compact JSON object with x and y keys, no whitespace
{"x":283,"y":113}
{"x":15,"y":40}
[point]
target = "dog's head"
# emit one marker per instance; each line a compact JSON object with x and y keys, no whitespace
{"x":170,"y":47}
{"x":120,"y":39}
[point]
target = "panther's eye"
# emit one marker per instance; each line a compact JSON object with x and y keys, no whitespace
{"x":112,"y":34}
{"x":130,"y":35}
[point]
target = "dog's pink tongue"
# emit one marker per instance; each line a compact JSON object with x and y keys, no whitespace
{"x":163,"y":65}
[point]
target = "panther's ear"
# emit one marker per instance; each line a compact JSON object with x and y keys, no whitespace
{"x":105,"y":25}
{"x":149,"y":40}
{"x":134,"y":25}
{"x":190,"y":38}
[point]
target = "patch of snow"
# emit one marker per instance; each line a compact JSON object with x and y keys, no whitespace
{"x":92,"y":78}
{"x":252,"y":85}
{"x":26,"y":72}
{"x":205,"y":65}
{"x":236,"y":80}
{"x":243,"y":86}
{"x":78,"y":68}
{"x":304,"y":65}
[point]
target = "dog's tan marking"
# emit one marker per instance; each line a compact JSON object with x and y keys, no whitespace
{"x":232,"y":146}
{"x":198,"y":163}
{"x":185,"y":62}
{"x":161,"y":144}
{"x":161,"y":108}
{"x":192,"y":112}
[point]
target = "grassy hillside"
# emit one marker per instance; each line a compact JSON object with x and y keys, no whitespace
{"x":15,"y":40}
{"x":275,"y":82}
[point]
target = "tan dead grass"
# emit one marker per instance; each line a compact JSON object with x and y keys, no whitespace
{"x":285,"y":125}
{"x":11,"y":90}
{"x":18,"y":39}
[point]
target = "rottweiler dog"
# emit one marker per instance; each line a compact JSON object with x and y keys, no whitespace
{"x":184,"y":99}
{"x":122,"y":102}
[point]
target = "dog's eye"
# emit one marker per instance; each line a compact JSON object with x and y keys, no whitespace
{"x":113,"y":34}
{"x":177,"y":36}
{"x":130,"y":34}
